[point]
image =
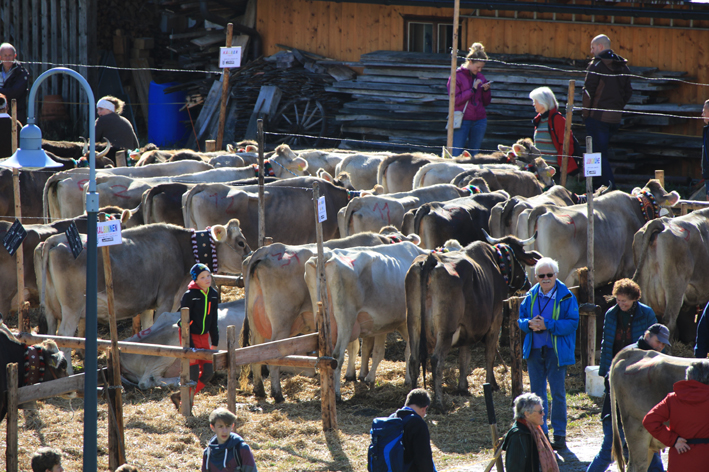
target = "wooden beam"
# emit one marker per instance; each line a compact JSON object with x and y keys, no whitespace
{"x":567,"y":133}
{"x":261,"y":353}
{"x":185,"y":390}
{"x":54,"y":388}
{"x":233,"y":373}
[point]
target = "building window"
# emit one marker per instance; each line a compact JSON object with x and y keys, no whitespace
{"x":434,"y":35}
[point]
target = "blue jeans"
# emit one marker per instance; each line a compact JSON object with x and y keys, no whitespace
{"x":470,"y":133}
{"x":543,"y":368}
{"x":601,"y":134}
{"x":603,"y":459}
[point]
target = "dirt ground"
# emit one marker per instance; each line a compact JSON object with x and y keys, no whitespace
{"x":289,"y":436}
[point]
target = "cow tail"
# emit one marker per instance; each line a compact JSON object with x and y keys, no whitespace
{"x":533,"y":217}
{"x":43,"y":260}
{"x":419,"y":176}
{"x":382,"y":170}
{"x":354,"y":205}
{"x":426,"y":268}
{"x":507,"y":210}
{"x":617,"y":444}
{"x":651,"y":229}
{"x":422,"y":211}
{"x":50,"y":186}
{"x":245,"y":337}
{"x":187,"y":205}
{"x":146,"y":205}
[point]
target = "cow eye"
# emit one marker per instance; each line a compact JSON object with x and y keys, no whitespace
{"x":241,"y":243}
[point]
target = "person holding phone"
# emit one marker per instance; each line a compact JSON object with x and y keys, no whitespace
{"x":549,"y":314}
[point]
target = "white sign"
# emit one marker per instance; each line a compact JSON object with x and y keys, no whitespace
{"x":322,"y":212}
{"x":592,"y":164}
{"x":109,"y":233}
{"x":229,"y":57}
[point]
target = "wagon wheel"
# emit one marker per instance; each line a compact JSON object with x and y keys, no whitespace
{"x":300,"y":116}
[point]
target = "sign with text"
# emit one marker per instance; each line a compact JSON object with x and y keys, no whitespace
{"x":592,"y":164}
{"x":108,"y":233}
{"x":14,"y":237}
{"x":229,"y":57}
{"x":74,"y":240}
{"x":322,"y":211}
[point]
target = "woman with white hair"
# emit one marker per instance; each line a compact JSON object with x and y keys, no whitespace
{"x":527,"y":448}
{"x":112,"y":126}
{"x":549,"y":314}
{"x":549,"y":128}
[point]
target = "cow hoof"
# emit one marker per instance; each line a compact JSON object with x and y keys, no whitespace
{"x":278,"y":398}
{"x":259,"y":391}
{"x":464,"y":393}
{"x":350,"y":379}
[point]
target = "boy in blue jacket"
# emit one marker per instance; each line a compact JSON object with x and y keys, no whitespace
{"x":227,"y":451}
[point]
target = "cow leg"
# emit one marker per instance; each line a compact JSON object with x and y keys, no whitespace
{"x":51,"y":323}
{"x":404,"y":332}
{"x":352,"y":351}
{"x":443,"y":345}
{"x":274,"y":371}
{"x":463,"y":369}
{"x":491,"y":339}
{"x":146,"y":319}
{"x":259,"y":389}
{"x":638,"y":441}
{"x":67,"y":327}
{"x":377,"y":356}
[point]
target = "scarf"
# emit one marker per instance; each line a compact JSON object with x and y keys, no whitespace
{"x":547,"y":459}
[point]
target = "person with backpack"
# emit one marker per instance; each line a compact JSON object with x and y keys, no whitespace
{"x":401,"y":442}
{"x":549,"y":129}
{"x":227,"y":451}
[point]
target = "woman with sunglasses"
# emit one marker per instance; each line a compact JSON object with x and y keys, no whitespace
{"x":527,"y":448}
{"x":549,"y":314}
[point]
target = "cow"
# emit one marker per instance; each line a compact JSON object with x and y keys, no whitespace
{"x":153,"y":371}
{"x":290,"y":216}
{"x":463,"y":219}
{"x":365,"y":288}
{"x":150,"y":272}
{"x":372,"y":212}
{"x":362,"y":169}
{"x":66,"y":189}
{"x":531,"y":181}
{"x":618,"y":216}
{"x":327,"y":160}
{"x":455,"y":299}
{"x":39,"y":363}
{"x":278,"y":304}
{"x":672,"y":255}
{"x":639,"y":380}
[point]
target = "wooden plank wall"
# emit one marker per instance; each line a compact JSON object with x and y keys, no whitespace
{"x":345,"y":31}
{"x":54,"y":33}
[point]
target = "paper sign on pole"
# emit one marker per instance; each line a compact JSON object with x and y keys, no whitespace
{"x":322,"y":212}
{"x":229,"y":57}
{"x":592,"y":164}
{"x":108,"y":233}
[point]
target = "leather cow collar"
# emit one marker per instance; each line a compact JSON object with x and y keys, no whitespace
{"x":204,"y":249}
{"x":34,"y":365}
{"x":505,"y":258}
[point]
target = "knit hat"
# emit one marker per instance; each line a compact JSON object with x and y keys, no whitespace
{"x":198,"y":269}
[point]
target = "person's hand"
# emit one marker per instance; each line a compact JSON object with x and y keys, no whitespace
{"x":681,"y":445}
{"x":486,"y":86}
{"x":215,"y":348}
{"x":476,"y":84}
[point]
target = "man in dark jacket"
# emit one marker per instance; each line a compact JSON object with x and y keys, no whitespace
{"x":14,"y":80}
{"x":705,"y":149}
{"x":416,"y":440}
{"x":606,"y":88}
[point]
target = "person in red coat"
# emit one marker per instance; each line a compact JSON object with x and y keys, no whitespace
{"x":687,"y":410}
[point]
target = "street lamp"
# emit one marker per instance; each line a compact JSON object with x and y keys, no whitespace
{"x":31,"y":155}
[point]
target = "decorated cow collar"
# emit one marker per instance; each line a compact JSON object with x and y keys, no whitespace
{"x":34,"y":365}
{"x":267,"y":169}
{"x":473,"y":189}
{"x":395,"y":239}
{"x":440,"y":250}
{"x":352,"y":194}
{"x":648,"y":205}
{"x":204,"y":249}
{"x":505,"y":256}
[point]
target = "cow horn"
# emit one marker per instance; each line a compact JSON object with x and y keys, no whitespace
{"x":86,"y":145}
{"x":530,"y":240}
{"x":490,"y":239}
{"x":105,"y":151}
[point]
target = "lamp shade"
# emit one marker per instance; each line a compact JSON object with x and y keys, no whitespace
{"x":30,"y":155}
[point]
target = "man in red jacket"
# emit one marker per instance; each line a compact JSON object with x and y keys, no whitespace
{"x":687,"y":410}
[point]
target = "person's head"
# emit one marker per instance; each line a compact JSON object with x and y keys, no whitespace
{"x":476,"y":57}
{"x":127,"y":468}
{"x":698,"y":371}
{"x":546,"y":270}
{"x":201,"y":275}
{"x":3,"y":104}
{"x":626,"y":292}
{"x":109,"y":104}
{"x":705,"y":112}
{"x":544,"y":99}
{"x":7,"y":55}
{"x":599,"y":44}
{"x":47,"y":459}
{"x":657,"y":336}
{"x":221,"y":421}
{"x":528,"y":406}
{"x":418,"y":400}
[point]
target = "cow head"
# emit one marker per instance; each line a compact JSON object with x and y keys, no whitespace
{"x":523,"y":150}
{"x":396,"y":236}
{"x":55,"y":361}
{"x":517,"y":275}
{"x":663,"y":198}
{"x":231,"y":246}
{"x":545,"y":172}
{"x":283,"y":156}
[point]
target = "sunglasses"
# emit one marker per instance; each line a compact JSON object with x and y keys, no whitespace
{"x":541,"y":276}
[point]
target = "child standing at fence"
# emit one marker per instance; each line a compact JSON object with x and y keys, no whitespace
{"x":227,"y":451}
{"x":47,"y":459}
{"x":203,"y":302}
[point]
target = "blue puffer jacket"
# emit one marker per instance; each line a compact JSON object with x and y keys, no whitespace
{"x":644,"y":318}
{"x":562,"y":326}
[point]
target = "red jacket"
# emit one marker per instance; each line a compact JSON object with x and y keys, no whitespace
{"x":557,"y":128}
{"x":687,"y":409}
{"x":464,"y":93}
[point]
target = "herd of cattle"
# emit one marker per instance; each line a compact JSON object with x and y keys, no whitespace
{"x":387,"y":214}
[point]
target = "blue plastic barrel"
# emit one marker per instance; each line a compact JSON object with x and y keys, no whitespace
{"x":167,"y":126}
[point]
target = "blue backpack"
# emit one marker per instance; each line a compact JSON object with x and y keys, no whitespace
{"x":386,"y":451}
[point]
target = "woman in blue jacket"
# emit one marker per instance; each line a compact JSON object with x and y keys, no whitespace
{"x":549,"y":315}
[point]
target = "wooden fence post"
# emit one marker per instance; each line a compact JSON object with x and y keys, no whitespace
{"x":660,"y":175}
{"x":454,"y":66}
{"x":512,"y":306}
{"x":121,"y":159}
{"x":261,"y":202}
{"x":19,"y":254}
{"x":587,"y":320}
{"x":567,"y":132}
{"x":11,"y":458}
{"x":225,"y":91}
{"x":233,"y":375}
{"x":210,"y":145}
{"x":590,"y":228}
{"x":186,"y":398}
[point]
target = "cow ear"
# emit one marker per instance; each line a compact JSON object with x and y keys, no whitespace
{"x":503,"y":148}
{"x":552,"y":171}
{"x":518,"y":149}
{"x":466,"y":154}
{"x":219,"y":232}
{"x":325,"y":175}
{"x":230,"y":148}
{"x":125,"y":216}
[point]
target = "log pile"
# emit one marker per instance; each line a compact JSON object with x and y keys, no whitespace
{"x":402,"y":97}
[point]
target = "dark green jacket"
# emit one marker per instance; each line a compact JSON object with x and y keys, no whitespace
{"x":522,"y":454}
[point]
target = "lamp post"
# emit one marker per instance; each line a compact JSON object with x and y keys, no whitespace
{"x":31,"y":155}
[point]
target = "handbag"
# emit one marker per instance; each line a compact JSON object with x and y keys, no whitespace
{"x":458,"y":117}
